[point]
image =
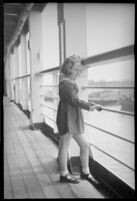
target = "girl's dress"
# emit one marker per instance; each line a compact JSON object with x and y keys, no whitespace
{"x":69,"y":114}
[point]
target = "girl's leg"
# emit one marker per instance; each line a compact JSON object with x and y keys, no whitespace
{"x":84,"y":156}
{"x":84,"y":152}
{"x":64,"y":143}
{"x":62,"y":159}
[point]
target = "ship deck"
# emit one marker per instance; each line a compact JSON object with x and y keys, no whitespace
{"x":30,"y":162}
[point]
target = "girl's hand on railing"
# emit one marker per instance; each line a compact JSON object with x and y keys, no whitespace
{"x":98,"y":107}
{"x":92,"y":107}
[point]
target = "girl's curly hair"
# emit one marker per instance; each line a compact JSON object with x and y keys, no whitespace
{"x":68,"y":64}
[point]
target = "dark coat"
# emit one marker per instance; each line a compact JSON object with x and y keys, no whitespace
{"x":69,"y":114}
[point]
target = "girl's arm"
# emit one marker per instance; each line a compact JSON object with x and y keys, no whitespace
{"x":67,"y":93}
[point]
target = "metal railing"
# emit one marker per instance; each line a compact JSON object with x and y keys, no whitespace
{"x":112,"y":157}
{"x":112,"y":56}
{"x":109,"y":133}
{"x":48,"y":85}
{"x":118,"y":54}
{"x":48,"y":107}
{"x":23,"y":76}
{"x":119,"y":112}
{"x":50,"y":97}
{"x":107,"y":87}
{"x":48,"y":117}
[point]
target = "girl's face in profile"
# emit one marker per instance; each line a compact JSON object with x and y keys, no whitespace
{"x":76,"y":70}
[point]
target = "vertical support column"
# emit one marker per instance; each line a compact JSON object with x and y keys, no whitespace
{"x":55,"y":94}
{"x":24,"y":71}
{"x":17,"y":92}
{"x":74,"y":19}
{"x":9,"y":88}
{"x":35,"y":30}
{"x":61,"y":26}
{"x":11,"y":56}
{"x":76,"y":37}
{"x":72,"y":22}
{"x":7,"y":76}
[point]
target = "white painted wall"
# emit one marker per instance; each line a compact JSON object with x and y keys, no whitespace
{"x":109,"y":26}
{"x":50,"y":36}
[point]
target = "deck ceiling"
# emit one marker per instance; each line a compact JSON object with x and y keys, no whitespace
{"x":12,"y":12}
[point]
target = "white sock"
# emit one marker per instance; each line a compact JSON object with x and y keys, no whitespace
{"x":85,"y":170}
{"x":64,"y":172}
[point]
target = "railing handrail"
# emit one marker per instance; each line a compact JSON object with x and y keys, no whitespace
{"x":48,"y":107}
{"x":96,"y":87}
{"x":121,"y":52}
{"x":119,"y":112}
{"x":48,"y":117}
{"x":117,"y":53}
{"x":112,"y":157}
{"x":107,"y":132}
{"x":105,"y":57}
{"x":99,"y":148}
{"x":49,"y":97}
{"x":48,"y":70}
{"x":48,"y":85}
{"x":22,"y":76}
{"x":106,"y":87}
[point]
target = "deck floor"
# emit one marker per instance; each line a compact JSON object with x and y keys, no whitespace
{"x":30,"y":162}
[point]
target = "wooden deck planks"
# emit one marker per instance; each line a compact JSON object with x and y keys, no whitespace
{"x":31,"y":169}
{"x":84,"y":189}
{"x":32,"y":165}
{"x":7,"y":181}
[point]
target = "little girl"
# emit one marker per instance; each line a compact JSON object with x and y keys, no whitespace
{"x":70,"y":121}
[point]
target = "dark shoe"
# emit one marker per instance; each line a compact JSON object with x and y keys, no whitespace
{"x":69,"y":179}
{"x":90,"y":178}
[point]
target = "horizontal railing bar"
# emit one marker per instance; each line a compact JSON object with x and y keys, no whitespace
{"x":48,"y":85}
{"x":121,"y":52}
{"x":110,"y":61}
{"x":119,"y":112}
{"x":48,"y":107}
{"x":109,"y":110}
{"x":125,"y":51}
{"x":97,"y":87}
{"x":112,"y":157}
{"x":48,"y":70}
{"x":48,"y":117}
{"x":23,"y":76}
{"x":49,"y":97}
{"x":12,"y":79}
{"x":107,"y":132}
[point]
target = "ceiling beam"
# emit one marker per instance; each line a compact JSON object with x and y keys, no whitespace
{"x":39,"y":6}
{"x":18,"y":27}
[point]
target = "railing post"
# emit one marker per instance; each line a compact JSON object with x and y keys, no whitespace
{"x":12,"y":75}
{"x":55,"y":94}
{"x":24,"y":93}
{"x":7,"y":76}
{"x":17,"y":91}
{"x":35,"y":30}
